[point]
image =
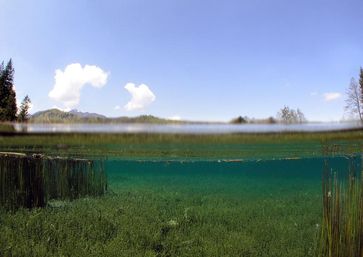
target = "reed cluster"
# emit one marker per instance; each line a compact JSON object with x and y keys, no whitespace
{"x":32,"y":180}
{"x":341,"y":232}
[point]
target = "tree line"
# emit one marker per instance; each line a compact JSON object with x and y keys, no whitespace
{"x":8,"y":108}
{"x":353,"y":103}
{"x":287,"y":115}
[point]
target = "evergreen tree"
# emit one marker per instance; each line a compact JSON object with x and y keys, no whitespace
{"x":24,"y":109}
{"x":3,"y":93}
{"x":239,"y":120}
{"x":8,"y":108}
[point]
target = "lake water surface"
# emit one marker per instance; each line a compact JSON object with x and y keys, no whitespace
{"x":184,"y":128}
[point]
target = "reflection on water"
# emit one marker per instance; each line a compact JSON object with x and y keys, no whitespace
{"x":183,"y":128}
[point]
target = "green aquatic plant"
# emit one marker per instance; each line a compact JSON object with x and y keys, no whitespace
{"x":150,"y":146}
{"x":6,"y":127}
{"x":74,"y":178}
{"x":159,"y":210}
{"x":342,"y":226}
{"x":31,"y":180}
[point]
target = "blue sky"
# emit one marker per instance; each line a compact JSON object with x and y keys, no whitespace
{"x":199,"y":60}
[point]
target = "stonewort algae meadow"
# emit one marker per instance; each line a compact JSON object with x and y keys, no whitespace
{"x":180,"y":194}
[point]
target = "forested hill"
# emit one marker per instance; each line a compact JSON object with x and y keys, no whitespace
{"x":58,"y":116}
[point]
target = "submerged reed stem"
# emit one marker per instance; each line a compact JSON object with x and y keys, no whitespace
{"x":341,"y":232}
{"x":31,"y":181}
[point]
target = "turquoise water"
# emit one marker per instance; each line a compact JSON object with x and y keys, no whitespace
{"x":183,"y":197}
{"x":251,"y":208}
{"x":227,"y":175}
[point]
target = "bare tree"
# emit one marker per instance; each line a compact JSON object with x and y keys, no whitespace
{"x":287,"y":115}
{"x":361,"y":85}
{"x":284,"y":115}
{"x":354,"y":99}
{"x":300,"y":116}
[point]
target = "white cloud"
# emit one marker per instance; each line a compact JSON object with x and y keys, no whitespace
{"x":117,"y":107}
{"x":175,"y":117}
{"x":331,"y":96}
{"x":68,"y":83}
{"x":141,"y":96}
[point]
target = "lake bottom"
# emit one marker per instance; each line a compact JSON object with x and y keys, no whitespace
{"x":183,"y":208}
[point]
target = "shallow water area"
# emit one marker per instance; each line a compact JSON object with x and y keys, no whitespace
{"x":184,"y":195}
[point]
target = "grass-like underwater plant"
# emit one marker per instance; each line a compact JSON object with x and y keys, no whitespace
{"x":31,"y":180}
{"x":342,"y":225}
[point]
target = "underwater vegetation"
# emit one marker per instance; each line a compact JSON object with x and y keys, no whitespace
{"x":7,"y":128}
{"x":179,"y":209}
{"x":184,"y":146}
{"x":342,"y":225}
{"x":32,"y":180}
{"x":175,"y":195}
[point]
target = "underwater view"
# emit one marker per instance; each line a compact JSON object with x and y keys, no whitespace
{"x":170,"y":194}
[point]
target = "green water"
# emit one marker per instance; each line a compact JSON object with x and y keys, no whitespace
{"x":188,"y":208}
{"x":211,"y":208}
{"x":178,"y":196}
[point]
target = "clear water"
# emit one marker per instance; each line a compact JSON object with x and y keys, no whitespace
{"x":183,"y":128}
{"x":274,"y":203}
{"x":182,"y":198}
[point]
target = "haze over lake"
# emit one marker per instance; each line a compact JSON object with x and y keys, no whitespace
{"x":184,"y":128}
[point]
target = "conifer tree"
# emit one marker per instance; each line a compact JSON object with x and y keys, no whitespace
{"x":8,"y":108}
{"x":24,"y":109}
{"x":3,"y":93}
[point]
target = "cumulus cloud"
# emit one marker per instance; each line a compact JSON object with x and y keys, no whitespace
{"x":68,"y":83}
{"x":141,"y":96}
{"x":117,"y":107}
{"x":328,"y":97}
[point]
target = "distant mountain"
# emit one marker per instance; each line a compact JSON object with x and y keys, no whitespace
{"x":52,"y":116}
{"x":74,"y":116}
{"x":87,"y":114}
